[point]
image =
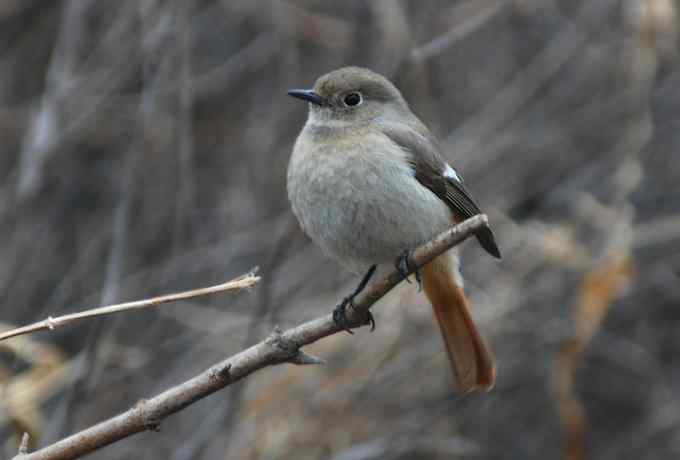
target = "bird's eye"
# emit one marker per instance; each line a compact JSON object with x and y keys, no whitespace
{"x":352,"y":99}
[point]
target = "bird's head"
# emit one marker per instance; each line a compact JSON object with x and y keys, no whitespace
{"x":352,"y":95}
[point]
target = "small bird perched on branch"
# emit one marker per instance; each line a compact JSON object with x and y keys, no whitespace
{"x":367,"y":183}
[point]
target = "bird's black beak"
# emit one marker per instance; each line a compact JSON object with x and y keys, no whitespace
{"x":307,"y":95}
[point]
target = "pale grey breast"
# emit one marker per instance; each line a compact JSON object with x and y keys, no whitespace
{"x":357,"y":198}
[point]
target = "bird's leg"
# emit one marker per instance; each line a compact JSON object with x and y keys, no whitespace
{"x":404,"y":268}
{"x":340,"y":313}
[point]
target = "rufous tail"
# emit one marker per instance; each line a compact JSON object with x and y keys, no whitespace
{"x":470,"y":357}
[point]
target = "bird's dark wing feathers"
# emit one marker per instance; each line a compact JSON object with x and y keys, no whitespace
{"x":429,"y":168}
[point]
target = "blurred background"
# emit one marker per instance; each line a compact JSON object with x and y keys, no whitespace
{"x":144,"y":151}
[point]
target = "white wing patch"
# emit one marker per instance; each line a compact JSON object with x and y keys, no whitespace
{"x":452,"y":174}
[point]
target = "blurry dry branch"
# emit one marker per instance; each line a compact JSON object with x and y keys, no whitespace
{"x":474,"y":15}
{"x":242,"y":282}
{"x":280,"y":347}
{"x":648,"y":22}
{"x":22,"y":394}
{"x":599,"y":289}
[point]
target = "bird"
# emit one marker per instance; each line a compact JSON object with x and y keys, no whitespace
{"x":368,"y":183}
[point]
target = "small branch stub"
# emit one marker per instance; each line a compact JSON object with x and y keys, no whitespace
{"x":302,"y":359}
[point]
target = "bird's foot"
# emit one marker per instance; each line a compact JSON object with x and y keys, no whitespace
{"x":404,"y":269}
{"x":340,"y":312}
{"x":340,"y":315}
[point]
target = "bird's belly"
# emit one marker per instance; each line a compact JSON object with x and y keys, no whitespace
{"x":364,"y":212}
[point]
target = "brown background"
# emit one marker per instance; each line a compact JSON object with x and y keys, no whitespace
{"x":143,"y":150}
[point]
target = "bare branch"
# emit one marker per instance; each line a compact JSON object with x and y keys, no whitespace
{"x":242,"y":282}
{"x":279,"y":347}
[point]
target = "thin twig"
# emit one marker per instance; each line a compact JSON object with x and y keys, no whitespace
{"x":279,"y":347}
{"x":242,"y":282}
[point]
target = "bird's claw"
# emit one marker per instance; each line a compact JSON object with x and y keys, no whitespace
{"x":370,"y":320}
{"x":404,"y":269}
{"x":340,"y":312}
{"x":402,"y":265}
{"x":340,"y":315}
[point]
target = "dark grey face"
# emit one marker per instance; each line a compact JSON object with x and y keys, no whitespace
{"x":352,"y":94}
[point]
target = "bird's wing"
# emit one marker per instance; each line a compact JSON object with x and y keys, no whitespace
{"x":433,"y":172}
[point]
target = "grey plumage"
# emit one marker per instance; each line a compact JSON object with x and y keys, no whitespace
{"x":360,"y":208}
{"x":367,"y":183}
{"x":429,"y":169}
